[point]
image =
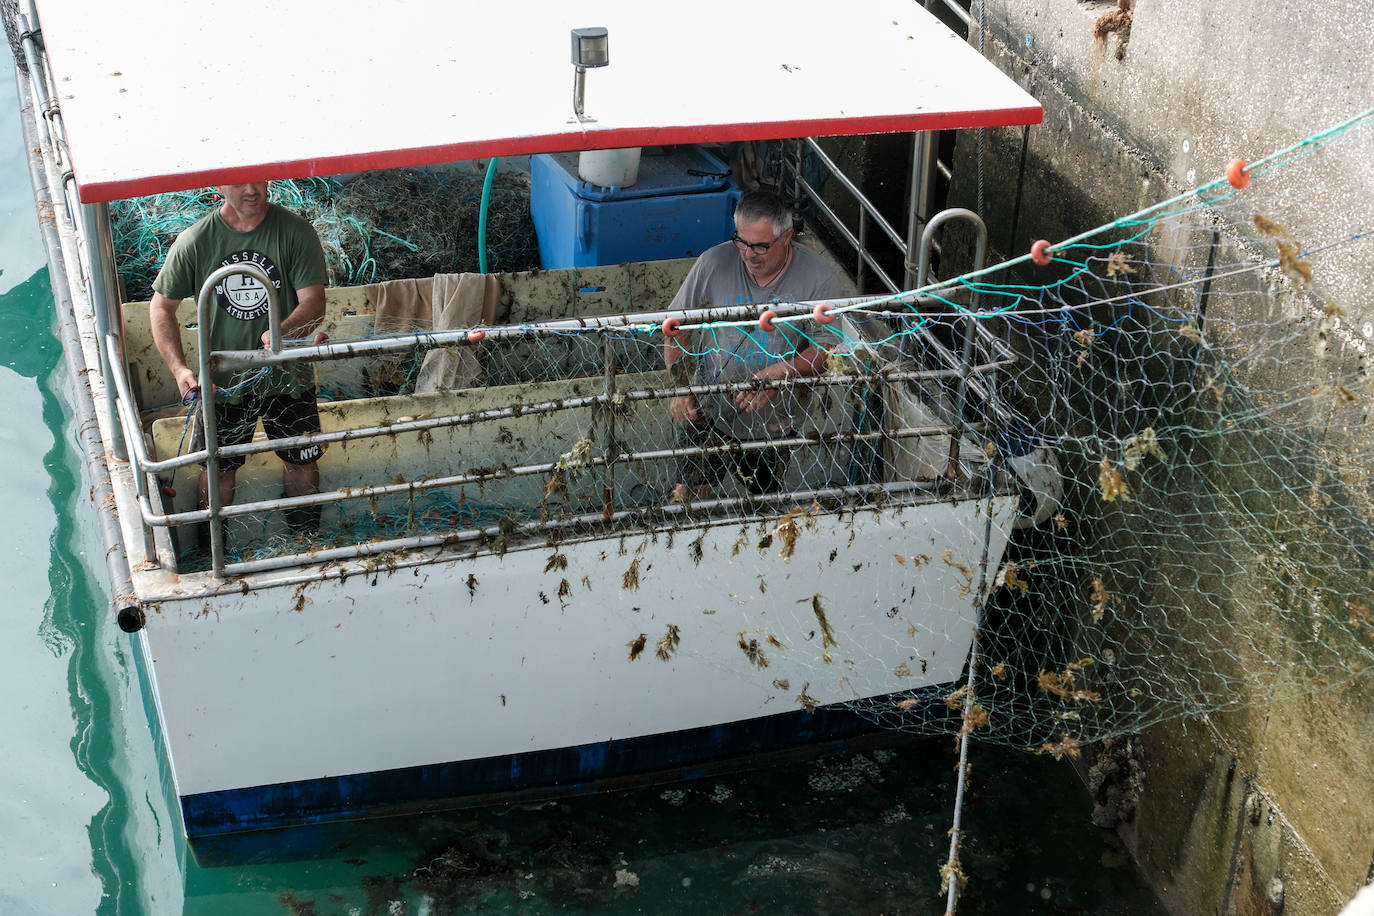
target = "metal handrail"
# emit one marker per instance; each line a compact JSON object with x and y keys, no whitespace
{"x":641,"y":323}
{"x":858,"y":195}
{"x":980,"y":254}
{"x":426,"y":340}
{"x":884,"y":376}
{"x":546,"y":408}
{"x":705,"y":508}
{"x":207,"y":388}
{"x":928,"y":241}
{"x":217,"y":512}
{"x":838,"y":225}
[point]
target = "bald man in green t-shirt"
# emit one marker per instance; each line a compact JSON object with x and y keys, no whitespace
{"x":247,"y":228}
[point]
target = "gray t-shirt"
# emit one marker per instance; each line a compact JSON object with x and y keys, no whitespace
{"x":734,"y":354}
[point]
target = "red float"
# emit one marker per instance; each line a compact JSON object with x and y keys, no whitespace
{"x":1236,"y":173}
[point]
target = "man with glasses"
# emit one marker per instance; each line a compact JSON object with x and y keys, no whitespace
{"x":760,"y":264}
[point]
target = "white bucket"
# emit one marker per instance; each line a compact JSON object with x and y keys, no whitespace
{"x":609,"y":168}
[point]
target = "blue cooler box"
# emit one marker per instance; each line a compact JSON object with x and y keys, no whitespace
{"x":682,"y":203}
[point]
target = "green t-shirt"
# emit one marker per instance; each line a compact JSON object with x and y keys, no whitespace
{"x":287,"y":249}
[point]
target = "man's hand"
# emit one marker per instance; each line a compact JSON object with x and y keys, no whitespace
{"x":683,"y":408}
{"x":185,"y":379}
{"x":749,"y":401}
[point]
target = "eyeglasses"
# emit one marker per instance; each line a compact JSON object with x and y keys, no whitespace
{"x":756,"y":247}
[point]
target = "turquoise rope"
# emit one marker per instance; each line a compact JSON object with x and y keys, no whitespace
{"x":482,"y":216}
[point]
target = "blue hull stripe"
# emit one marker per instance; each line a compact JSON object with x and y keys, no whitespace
{"x":683,"y":755}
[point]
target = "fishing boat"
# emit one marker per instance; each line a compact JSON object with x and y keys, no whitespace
{"x":503,"y":598}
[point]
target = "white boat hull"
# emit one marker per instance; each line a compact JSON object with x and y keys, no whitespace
{"x":468,"y":659}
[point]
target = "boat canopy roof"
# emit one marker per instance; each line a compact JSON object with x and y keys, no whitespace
{"x":163,"y":97}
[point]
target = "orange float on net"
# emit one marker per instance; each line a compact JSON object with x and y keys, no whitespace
{"x":321,"y":339}
{"x":1040,"y":252}
{"x":671,"y":327}
{"x":477,"y":336}
{"x":1236,"y":173}
{"x":766,"y":321}
{"x":824,"y":314}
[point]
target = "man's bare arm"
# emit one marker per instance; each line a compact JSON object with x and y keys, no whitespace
{"x":162,"y":314}
{"x":304,"y":317}
{"x":683,"y":407}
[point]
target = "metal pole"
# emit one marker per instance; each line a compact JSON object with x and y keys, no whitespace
{"x":642,"y":322}
{"x":922,"y":167}
{"x":970,"y":322}
{"x":959,"y":13}
{"x":956,"y":831}
{"x":103,"y":286}
{"x":579,"y":90}
{"x":863,"y":245}
{"x":207,"y":390}
{"x":611,"y":448}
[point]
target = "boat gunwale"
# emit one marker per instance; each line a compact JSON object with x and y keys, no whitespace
{"x":371,"y":558}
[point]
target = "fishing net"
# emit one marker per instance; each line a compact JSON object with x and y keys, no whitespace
{"x":374,"y":226}
{"x":1150,"y":442}
{"x":1201,"y":371}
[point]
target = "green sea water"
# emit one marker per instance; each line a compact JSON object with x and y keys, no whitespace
{"x":84,"y":827}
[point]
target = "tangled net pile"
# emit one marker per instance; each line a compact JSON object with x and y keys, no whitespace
{"x":374,"y":226}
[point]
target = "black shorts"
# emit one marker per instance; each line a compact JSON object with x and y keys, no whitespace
{"x":760,"y":470}
{"x":282,"y":417}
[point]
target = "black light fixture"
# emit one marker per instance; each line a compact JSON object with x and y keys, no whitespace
{"x":589,"y":49}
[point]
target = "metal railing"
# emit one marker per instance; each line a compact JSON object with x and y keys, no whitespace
{"x":950,"y":369}
{"x":958,"y":10}
{"x":925,"y":162}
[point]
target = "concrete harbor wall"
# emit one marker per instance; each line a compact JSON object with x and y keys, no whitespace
{"x":1265,"y":805}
